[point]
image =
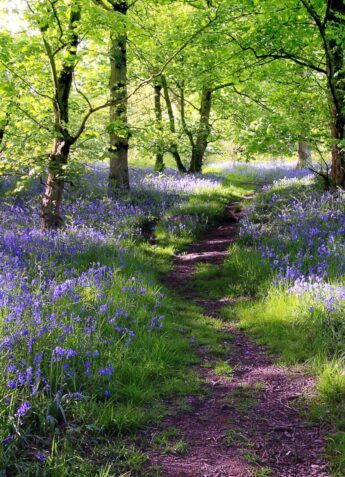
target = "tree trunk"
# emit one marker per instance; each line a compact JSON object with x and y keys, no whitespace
{"x":118,"y":138}
{"x":173,"y":146}
{"x":51,"y":203}
{"x":304,"y":155}
{"x":338,"y":151}
{"x":204,"y":129}
{"x":159,"y":165}
{"x":186,"y":129}
{"x":2,"y":134}
{"x":3,"y":126}
{"x":195,"y":160}
{"x":336,"y":80}
{"x":58,"y":158}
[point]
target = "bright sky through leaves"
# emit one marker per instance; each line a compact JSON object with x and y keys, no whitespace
{"x":11,"y":15}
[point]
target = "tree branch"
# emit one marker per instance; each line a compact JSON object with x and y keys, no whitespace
{"x":328,"y":8}
{"x":83,"y":95}
{"x":56,"y":16}
{"x":87,"y":116}
{"x":176,"y":53}
{"x":280,"y":55}
{"x":32,"y":118}
{"x":25,"y":81}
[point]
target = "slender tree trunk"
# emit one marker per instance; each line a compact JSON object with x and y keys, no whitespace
{"x":304,"y":154}
{"x":159,"y":165}
{"x":185,"y":127}
{"x":336,"y":80}
{"x":51,"y":203}
{"x":173,"y":146}
{"x":118,"y":147}
{"x":204,"y":129}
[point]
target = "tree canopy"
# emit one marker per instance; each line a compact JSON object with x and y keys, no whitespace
{"x":95,"y":79}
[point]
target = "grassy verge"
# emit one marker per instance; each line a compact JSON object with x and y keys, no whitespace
{"x":182,"y":224}
{"x":301,"y":321}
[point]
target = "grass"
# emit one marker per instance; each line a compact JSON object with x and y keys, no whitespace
{"x":224,"y":369}
{"x":261,"y":471}
{"x":183,"y":224}
{"x":170,"y":441}
{"x":92,"y":435}
{"x":275,"y":318}
{"x":234,"y":437}
{"x":279,"y":319}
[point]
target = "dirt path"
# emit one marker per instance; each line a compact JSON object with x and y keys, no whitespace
{"x":247,"y":423}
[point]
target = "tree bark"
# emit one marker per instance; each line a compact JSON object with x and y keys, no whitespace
{"x":173,"y":146}
{"x":119,"y":135}
{"x":304,"y":154}
{"x":335,"y":56}
{"x":2,"y":134}
{"x":51,"y":203}
{"x":203,"y":133}
{"x":185,"y":127}
{"x":54,"y":188}
{"x":159,"y":164}
{"x":3,"y":127}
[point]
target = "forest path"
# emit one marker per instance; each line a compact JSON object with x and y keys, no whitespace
{"x":246,"y":423}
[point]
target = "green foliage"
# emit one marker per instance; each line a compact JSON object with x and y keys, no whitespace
{"x":261,"y":104}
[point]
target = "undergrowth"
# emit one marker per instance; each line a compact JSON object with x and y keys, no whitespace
{"x":97,"y":343}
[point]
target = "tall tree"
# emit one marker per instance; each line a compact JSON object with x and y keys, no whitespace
{"x":317,"y":44}
{"x":304,"y":154}
{"x":118,"y":124}
{"x":332,"y":31}
{"x":62,"y":30}
{"x":62,"y":78}
{"x":118,"y":127}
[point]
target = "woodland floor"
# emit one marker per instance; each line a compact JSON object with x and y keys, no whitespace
{"x":249,"y":421}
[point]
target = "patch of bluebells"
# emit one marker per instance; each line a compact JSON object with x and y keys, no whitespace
{"x":332,"y":297}
{"x":263,"y":171}
{"x":63,"y":312}
{"x":300,"y":231}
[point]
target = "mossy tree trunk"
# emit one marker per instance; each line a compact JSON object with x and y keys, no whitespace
{"x":119,"y":131}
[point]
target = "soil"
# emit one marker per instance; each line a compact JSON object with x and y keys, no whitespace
{"x":249,"y":423}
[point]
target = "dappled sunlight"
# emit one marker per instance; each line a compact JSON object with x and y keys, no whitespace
{"x":172,"y":223}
